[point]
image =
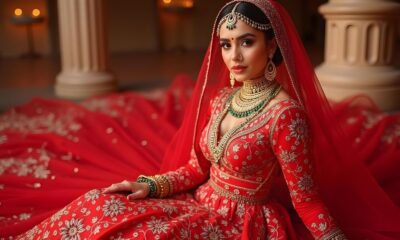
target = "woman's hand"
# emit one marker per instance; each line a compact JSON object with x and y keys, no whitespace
{"x":137,"y":190}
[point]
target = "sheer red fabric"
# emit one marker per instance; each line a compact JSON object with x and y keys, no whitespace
{"x":361,"y":199}
{"x":52,"y":151}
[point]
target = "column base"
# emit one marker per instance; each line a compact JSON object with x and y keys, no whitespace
{"x":382,"y":84}
{"x":80,"y":85}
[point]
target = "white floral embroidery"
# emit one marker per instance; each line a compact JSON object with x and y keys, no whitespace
{"x":35,"y":164}
{"x":287,"y":156}
{"x":57,"y":215}
{"x":72,"y":230}
{"x":41,"y":172}
{"x":24,"y":216}
{"x":170,"y":209}
{"x":212,"y":232}
{"x":92,"y":195}
{"x":306,"y":183}
{"x":240,"y":210}
{"x":184,"y":233}
{"x":298,"y":128}
{"x":97,"y":229}
{"x":62,"y":125}
{"x":392,"y":134}
{"x":223,"y":211}
{"x":100,"y":105}
{"x":322,"y":226}
{"x":236,"y":148}
{"x":158,"y":226}
{"x":371,"y":119}
{"x":113,"y":207}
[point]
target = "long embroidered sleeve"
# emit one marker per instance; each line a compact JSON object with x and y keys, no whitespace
{"x":290,"y":145}
{"x":188,"y":176}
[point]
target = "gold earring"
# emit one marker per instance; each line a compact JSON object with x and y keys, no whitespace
{"x":270,"y":70}
{"x":232,"y":80}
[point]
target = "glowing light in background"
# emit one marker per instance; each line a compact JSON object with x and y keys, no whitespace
{"x":186,"y":4}
{"x":18,"y":12}
{"x":35,"y":12}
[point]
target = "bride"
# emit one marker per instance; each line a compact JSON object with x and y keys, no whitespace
{"x":259,"y":155}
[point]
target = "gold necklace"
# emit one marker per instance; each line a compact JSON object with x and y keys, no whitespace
{"x":245,"y":102}
{"x":217,"y":149}
{"x":255,"y":86}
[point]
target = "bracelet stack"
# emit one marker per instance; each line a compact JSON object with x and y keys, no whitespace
{"x":159,"y":185}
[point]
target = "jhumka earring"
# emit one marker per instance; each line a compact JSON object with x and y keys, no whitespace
{"x":232,"y":80}
{"x":270,"y":70}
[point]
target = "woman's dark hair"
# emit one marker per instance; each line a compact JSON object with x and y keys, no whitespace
{"x":252,"y":12}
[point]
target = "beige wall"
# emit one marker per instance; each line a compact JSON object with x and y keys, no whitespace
{"x":189,"y":30}
{"x":13,"y":40}
{"x":133,"y":26}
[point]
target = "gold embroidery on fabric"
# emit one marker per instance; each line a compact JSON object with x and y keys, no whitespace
{"x":241,"y":179}
{"x":216,"y":148}
{"x":238,"y":198}
{"x":336,"y":234}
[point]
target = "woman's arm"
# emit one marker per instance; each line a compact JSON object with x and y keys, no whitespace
{"x":190,"y":175}
{"x":164,"y":185}
{"x":290,"y":143}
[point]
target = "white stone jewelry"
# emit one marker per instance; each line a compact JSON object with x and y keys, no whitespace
{"x":232,"y":18}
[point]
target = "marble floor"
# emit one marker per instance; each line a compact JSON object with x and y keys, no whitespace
{"x":22,"y":79}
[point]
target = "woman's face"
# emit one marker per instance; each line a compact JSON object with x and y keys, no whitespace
{"x":244,"y":50}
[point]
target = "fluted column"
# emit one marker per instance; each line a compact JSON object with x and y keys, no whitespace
{"x":83,"y":50}
{"x":361,"y":51}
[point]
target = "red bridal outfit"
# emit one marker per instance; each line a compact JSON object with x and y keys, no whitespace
{"x":234,"y":202}
{"x":298,"y":170}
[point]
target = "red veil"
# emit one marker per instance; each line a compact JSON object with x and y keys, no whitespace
{"x":354,"y":195}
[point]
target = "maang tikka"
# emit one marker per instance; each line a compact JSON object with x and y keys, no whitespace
{"x":232,"y":18}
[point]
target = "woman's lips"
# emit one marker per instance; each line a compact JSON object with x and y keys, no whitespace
{"x":238,"y":69}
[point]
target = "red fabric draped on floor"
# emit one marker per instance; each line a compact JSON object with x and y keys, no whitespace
{"x":53,"y":151}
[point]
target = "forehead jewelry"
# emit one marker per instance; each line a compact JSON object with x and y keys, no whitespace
{"x":232,"y":18}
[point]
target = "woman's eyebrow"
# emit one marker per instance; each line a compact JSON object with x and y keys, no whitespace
{"x":240,"y":37}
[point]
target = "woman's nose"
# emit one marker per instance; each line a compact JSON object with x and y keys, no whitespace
{"x":237,"y":55}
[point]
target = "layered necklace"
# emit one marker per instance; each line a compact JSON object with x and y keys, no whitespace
{"x":252,"y":96}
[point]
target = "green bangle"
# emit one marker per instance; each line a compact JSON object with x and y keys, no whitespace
{"x":150,"y":182}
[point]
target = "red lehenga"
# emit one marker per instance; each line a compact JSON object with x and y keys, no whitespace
{"x":234,"y":202}
{"x":265,"y":184}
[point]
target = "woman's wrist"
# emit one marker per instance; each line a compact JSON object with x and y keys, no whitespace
{"x":159,"y":185}
{"x":151,"y":183}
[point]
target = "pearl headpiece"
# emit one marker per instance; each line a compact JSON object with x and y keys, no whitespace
{"x":232,"y":18}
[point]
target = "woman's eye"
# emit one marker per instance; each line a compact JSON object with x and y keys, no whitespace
{"x":225,"y":45}
{"x":247,"y":42}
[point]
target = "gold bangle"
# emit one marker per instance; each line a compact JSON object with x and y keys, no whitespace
{"x":164,"y":184}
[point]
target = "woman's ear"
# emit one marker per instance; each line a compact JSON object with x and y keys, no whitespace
{"x":272,"y":45}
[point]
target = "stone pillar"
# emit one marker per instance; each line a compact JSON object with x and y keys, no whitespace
{"x":83,"y":50}
{"x":361,"y":51}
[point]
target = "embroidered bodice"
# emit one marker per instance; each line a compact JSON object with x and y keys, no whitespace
{"x":251,"y":157}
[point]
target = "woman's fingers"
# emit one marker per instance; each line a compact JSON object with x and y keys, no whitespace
{"x":120,"y":187}
{"x":136,"y":195}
